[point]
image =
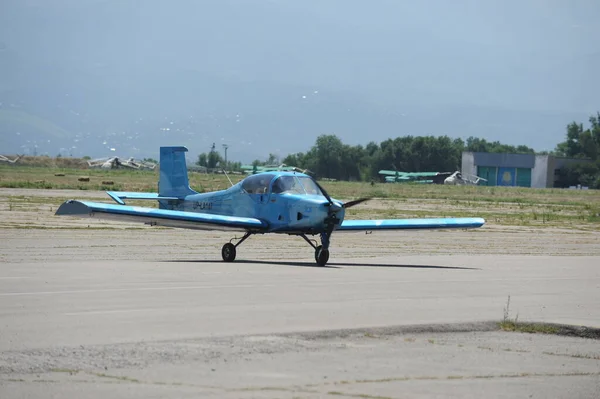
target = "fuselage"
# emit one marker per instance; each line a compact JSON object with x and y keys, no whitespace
{"x":289,"y":202}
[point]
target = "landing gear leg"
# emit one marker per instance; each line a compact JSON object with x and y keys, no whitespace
{"x":321,"y":251}
{"x":321,"y":255}
{"x":228,"y":251}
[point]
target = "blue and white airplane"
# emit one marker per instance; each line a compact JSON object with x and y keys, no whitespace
{"x":271,"y":202}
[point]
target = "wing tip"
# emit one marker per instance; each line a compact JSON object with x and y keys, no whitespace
{"x":479,"y":222}
{"x":72,"y":208}
{"x":115,"y":195}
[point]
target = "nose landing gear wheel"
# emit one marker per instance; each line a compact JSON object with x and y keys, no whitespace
{"x":321,"y":255}
{"x":228,"y":252}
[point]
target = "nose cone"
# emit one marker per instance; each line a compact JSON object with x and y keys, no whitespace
{"x":334,"y":211}
{"x":335,"y":206}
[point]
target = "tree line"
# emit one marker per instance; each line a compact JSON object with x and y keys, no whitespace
{"x":330,"y":158}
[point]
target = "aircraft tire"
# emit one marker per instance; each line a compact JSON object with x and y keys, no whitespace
{"x":228,"y":252}
{"x":321,"y":255}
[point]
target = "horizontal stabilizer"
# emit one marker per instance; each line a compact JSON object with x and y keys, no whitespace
{"x":119,"y":196}
{"x":159,"y":217}
{"x":411,"y":224}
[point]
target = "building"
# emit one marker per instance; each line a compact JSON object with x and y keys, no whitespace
{"x":522,"y":170}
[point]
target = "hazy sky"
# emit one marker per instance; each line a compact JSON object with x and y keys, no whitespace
{"x":514,"y":71}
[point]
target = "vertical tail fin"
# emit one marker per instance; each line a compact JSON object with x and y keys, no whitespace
{"x":173,"y":180}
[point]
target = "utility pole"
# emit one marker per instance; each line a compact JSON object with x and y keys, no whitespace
{"x":225,"y":146}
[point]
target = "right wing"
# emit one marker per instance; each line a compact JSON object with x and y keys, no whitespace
{"x":159,"y":217}
{"x":411,"y":224}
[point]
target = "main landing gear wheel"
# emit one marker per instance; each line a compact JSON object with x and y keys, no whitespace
{"x":321,"y":255}
{"x":228,"y":252}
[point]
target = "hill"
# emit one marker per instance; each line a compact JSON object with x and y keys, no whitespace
{"x":86,"y":76}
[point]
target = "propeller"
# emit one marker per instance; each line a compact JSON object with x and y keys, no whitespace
{"x":331,"y":220}
{"x":350,"y":204}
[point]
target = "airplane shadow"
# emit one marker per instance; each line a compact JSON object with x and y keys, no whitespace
{"x":331,"y":265}
{"x":404,"y":266}
{"x":258,"y":262}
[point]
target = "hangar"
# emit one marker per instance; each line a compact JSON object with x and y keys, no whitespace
{"x":521,"y":170}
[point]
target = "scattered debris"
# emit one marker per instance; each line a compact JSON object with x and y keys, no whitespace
{"x":118,"y":163}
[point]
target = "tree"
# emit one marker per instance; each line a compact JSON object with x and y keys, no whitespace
{"x":272,"y":160}
{"x":571,"y":147}
{"x":202,"y":160}
{"x":328,"y":151}
{"x":293,"y":159}
{"x":584,"y":173}
{"x":581,"y":143}
{"x":584,"y":144}
{"x":213,"y":159}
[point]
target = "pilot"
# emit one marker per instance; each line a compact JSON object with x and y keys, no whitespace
{"x":264,"y":186}
{"x":286,"y":183}
{"x":312,"y":190}
{"x":278,"y":187}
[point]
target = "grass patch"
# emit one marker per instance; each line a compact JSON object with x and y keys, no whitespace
{"x":117,"y":377}
{"x":531,"y":328}
{"x":574,"y":355}
{"x":64,"y":370}
{"x":357,"y":395}
{"x":514,"y":325}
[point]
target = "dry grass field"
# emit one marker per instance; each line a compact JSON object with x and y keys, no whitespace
{"x":507,"y":206}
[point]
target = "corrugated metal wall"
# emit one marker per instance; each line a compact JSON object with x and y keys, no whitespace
{"x":520,"y":177}
{"x":523,"y":177}
{"x":489,"y":173}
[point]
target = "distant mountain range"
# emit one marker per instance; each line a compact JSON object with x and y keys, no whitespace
{"x":101,"y":77}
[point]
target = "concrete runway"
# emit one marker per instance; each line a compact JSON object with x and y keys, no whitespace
{"x":150,"y":313}
{"x":94,"y":302}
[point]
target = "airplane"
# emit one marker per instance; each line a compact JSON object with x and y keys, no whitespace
{"x":458,"y":179}
{"x":283,"y":202}
{"x":6,"y":159}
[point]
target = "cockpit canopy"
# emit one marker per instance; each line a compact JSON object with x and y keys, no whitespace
{"x":257,"y":184}
{"x":299,"y":185}
{"x":292,"y":184}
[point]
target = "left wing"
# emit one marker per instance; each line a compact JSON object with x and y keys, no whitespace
{"x":414,"y":224}
{"x":160,"y":217}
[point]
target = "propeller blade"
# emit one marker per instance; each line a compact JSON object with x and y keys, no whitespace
{"x":355,"y":202}
{"x":324,"y":193}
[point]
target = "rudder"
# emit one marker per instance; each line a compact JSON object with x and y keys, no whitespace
{"x":173,"y":181}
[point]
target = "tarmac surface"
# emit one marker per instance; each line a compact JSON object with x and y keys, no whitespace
{"x":121,"y":311}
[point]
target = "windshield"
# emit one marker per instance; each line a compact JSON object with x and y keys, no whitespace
{"x":310,"y":186}
{"x":287,"y":184}
{"x":296,"y":185}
